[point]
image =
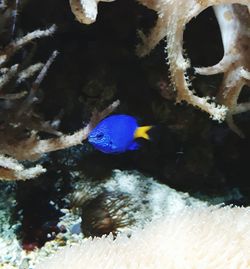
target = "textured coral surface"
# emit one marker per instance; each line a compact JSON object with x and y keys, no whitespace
{"x":207,"y":238}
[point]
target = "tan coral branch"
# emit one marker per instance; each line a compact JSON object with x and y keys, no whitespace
{"x":33,"y":148}
{"x":10,"y":169}
{"x":172,"y":19}
{"x":234,"y":21}
{"x":173,"y":16}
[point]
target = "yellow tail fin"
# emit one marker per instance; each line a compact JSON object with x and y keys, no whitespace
{"x":142,"y":132}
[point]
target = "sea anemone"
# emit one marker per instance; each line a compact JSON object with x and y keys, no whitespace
{"x":210,"y":237}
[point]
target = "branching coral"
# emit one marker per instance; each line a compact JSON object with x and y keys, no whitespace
{"x":10,"y":169}
{"x":234,"y":23}
{"x":19,"y":124}
{"x":32,"y":147}
{"x":16,"y":114}
{"x":173,"y":16}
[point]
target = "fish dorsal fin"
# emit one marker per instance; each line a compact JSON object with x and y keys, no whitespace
{"x":142,"y":132}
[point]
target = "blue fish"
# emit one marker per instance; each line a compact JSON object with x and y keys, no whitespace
{"x":117,"y":134}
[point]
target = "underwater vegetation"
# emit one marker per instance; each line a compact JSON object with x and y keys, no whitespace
{"x":100,"y":131}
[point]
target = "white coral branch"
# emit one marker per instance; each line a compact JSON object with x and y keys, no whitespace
{"x":85,"y":11}
{"x":29,"y":72}
{"x":234,"y":22}
{"x":172,"y":19}
{"x":8,"y":51}
{"x":8,"y":75}
{"x":10,"y":169}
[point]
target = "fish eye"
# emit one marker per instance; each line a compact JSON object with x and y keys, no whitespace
{"x":99,"y":136}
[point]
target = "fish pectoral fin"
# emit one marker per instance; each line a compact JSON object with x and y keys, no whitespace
{"x":133,"y":146}
{"x":142,"y":132}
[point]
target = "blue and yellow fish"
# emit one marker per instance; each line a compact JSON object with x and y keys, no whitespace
{"x":117,"y":134}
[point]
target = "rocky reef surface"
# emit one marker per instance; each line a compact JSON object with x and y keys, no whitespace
{"x":122,"y":203}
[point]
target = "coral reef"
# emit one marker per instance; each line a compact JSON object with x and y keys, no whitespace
{"x":17,"y":116}
{"x":57,"y":83}
{"x":173,"y":16}
{"x":20,"y":122}
{"x":192,"y":238}
{"x":32,"y":148}
{"x":10,"y":248}
{"x":12,"y":252}
{"x":124,"y":201}
{"x":20,"y":125}
{"x":234,"y":23}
